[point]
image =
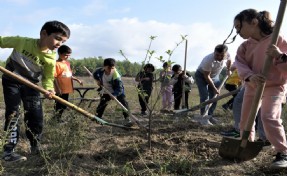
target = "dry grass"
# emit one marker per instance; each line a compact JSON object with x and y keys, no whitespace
{"x":179,"y":147}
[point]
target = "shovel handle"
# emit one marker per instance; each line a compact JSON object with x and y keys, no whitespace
{"x":208,"y":101}
{"x":266,"y":68}
{"x":58,"y":99}
{"x":184,"y":73}
{"x":219,"y":88}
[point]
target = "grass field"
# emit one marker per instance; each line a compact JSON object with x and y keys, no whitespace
{"x":178,"y":145}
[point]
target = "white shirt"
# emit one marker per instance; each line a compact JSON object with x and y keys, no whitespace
{"x":211,"y":65}
{"x":107,"y":82}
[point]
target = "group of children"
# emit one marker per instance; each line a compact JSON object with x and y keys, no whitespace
{"x":34,"y":60}
{"x":173,"y":83}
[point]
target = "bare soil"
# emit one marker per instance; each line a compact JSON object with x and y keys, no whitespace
{"x":179,"y":146}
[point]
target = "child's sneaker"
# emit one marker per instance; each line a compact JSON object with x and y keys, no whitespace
{"x":128,"y":123}
{"x":280,"y":161}
{"x":13,"y":157}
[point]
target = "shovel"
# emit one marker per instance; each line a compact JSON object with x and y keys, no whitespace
{"x":219,"y":88}
{"x":64,"y":102}
{"x":201,"y":105}
{"x":243,"y":150}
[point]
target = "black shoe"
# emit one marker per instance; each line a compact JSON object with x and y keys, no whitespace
{"x":280,"y":161}
{"x":231,"y":133}
{"x":13,"y":157}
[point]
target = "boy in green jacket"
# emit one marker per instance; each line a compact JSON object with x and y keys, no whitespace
{"x":33,"y":59}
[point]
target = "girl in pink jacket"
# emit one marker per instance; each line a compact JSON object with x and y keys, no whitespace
{"x":257,"y":27}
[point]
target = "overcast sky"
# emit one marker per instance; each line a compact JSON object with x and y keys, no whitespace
{"x":104,"y":27}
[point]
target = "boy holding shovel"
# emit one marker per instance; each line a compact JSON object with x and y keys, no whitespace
{"x":110,"y":78}
{"x":33,"y":59}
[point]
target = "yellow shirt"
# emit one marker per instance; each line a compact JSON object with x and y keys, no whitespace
{"x":234,"y":78}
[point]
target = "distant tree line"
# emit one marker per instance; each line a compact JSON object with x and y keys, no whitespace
{"x":125,"y":67}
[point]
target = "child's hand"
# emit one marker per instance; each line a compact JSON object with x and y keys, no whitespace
{"x":257,"y":79}
{"x":98,"y":83}
{"x":49,"y":94}
{"x":184,"y":76}
{"x":273,"y":51}
{"x":216,"y":91}
{"x":81,"y":83}
{"x":228,"y":72}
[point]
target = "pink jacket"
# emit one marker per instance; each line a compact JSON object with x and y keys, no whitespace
{"x":250,"y":59}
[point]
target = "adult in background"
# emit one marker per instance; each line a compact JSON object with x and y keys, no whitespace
{"x":207,"y":75}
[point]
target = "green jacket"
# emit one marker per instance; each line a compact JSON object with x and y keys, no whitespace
{"x":28,"y":61}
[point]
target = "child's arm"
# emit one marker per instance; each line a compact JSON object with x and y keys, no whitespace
{"x":189,"y":80}
{"x":57,"y":87}
{"x":137,"y":79}
{"x":208,"y":79}
{"x":78,"y":80}
{"x":173,"y":80}
{"x":280,"y":57}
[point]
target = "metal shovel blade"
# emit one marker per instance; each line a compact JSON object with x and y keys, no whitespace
{"x":230,"y":149}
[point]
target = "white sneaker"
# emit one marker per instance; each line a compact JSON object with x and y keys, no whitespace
{"x":205,"y":122}
{"x":128,"y":123}
{"x":214,"y":121}
{"x":280,"y":161}
{"x":202,"y":120}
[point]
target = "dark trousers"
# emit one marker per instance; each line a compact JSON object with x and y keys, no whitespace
{"x":143,"y":102}
{"x":59,"y":107}
{"x":177,"y":99}
{"x":230,"y":87}
{"x":14,"y":93}
{"x":105,"y":98}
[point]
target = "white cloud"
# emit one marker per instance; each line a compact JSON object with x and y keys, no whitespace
{"x":133,"y":37}
{"x":93,"y":7}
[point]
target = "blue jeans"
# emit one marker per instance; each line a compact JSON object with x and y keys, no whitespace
{"x":237,"y":104}
{"x":205,"y":91}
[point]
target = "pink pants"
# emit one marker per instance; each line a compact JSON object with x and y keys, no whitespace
{"x":270,"y":116}
{"x":167,"y":97}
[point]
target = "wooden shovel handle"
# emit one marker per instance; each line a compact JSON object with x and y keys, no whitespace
{"x":58,"y":99}
{"x":219,"y":88}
